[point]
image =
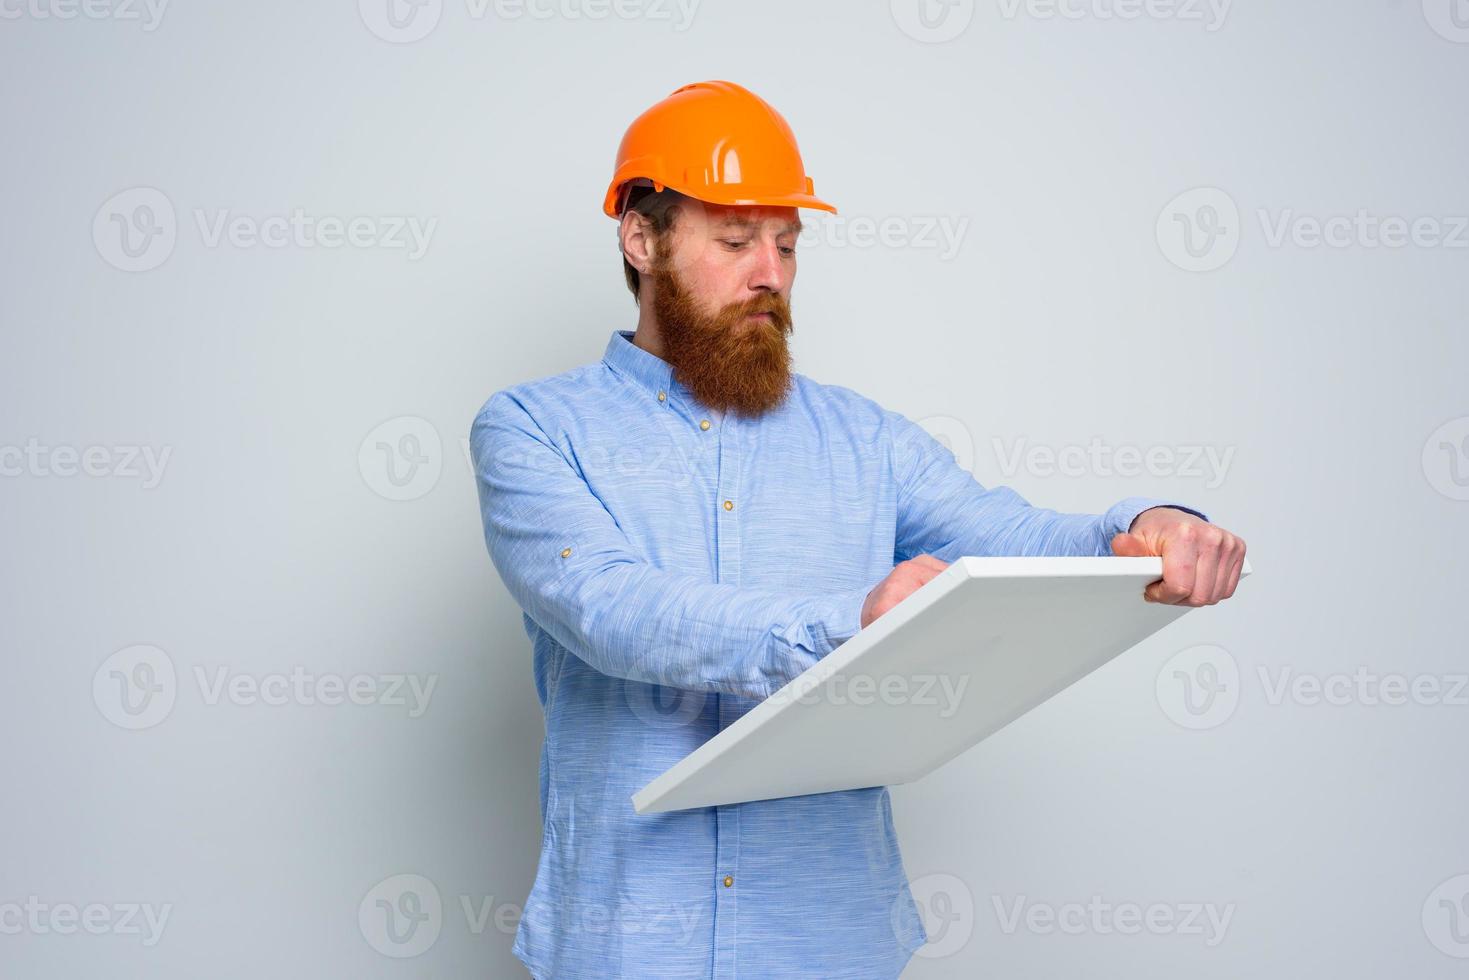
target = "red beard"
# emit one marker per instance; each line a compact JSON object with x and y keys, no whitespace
{"x":728,"y":362}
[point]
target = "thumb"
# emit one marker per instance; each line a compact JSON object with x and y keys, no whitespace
{"x":1127,"y":545}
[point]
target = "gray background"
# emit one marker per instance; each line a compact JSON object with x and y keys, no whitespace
{"x":283,"y":382}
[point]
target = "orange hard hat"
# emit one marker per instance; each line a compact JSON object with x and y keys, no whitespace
{"x":717,"y":142}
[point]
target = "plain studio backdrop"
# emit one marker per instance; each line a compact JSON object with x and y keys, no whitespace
{"x":268,"y":709}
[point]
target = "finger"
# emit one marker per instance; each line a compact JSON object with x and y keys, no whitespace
{"x":1206,"y":572}
{"x":1228,"y":555}
{"x":913,"y":574}
{"x":927,"y":573}
{"x":929,"y":561}
{"x":924,"y":570}
{"x":1129,"y":545}
{"x":1126,"y":545}
{"x":1236,"y":570}
{"x":1180,"y":559}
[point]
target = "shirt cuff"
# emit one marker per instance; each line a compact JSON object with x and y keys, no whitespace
{"x":1119,"y":516}
{"x":840,"y":618}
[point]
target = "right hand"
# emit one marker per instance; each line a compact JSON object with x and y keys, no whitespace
{"x":902,"y":581}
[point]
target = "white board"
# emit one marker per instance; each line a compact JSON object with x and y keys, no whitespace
{"x":975,"y":648}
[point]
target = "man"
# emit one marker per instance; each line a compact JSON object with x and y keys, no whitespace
{"x":688,"y":525}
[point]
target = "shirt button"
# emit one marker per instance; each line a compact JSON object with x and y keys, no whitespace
{"x":704,"y":425}
{"x":565,"y":552}
{"x":663,"y":396}
{"x":729,"y":505}
{"x":728,"y":881}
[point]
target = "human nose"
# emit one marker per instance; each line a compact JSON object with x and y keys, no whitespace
{"x":769,"y":271}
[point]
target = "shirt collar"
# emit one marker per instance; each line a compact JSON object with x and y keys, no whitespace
{"x":645,"y":369}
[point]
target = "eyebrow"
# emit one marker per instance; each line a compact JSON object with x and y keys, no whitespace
{"x":792,"y":227}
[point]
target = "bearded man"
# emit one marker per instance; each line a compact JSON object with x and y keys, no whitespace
{"x":688,"y":524}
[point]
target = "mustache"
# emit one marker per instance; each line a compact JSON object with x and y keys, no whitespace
{"x":724,"y":360}
{"x":772,"y":303}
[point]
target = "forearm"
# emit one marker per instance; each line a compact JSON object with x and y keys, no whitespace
{"x":629,"y":619}
{"x":944,"y":511}
{"x":573,"y":570}
{"x":1042,"y":531}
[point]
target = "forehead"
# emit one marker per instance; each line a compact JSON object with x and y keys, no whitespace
{"x":753,"y":217}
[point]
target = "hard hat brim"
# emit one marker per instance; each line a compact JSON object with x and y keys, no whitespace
{"x":738,"y":197}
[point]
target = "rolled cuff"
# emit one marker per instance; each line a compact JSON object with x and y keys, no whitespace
{"x":1119,"y":516}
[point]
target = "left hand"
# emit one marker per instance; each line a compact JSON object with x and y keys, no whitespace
{"x":1201,"y":561}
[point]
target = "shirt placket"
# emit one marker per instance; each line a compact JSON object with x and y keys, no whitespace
{"x":727,"y":818}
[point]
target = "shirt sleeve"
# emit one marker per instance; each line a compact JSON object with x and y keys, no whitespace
{"x":944,"y":511}
{"x":575,"y":573}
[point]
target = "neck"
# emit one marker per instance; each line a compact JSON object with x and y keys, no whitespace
{"x":647,"y":336}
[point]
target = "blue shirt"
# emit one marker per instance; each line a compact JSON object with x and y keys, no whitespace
{"x":677,"y":565}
